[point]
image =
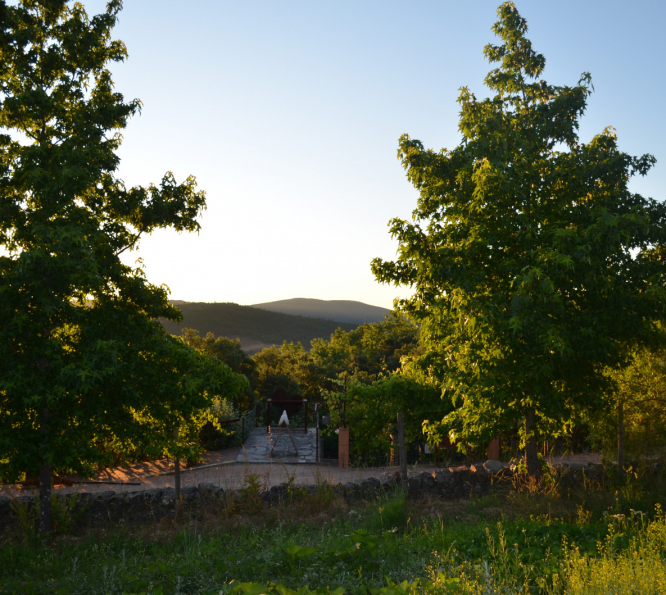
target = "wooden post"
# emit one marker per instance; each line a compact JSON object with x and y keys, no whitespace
{"x":316,"y":408}
{"x":242,"y":430}
{"x":176,"y":466}
{"x":45,"y":509}
{"x":343,"y":447}
{"x":620,"y":438}
{"x":494,"y":450}
{"x":268,"y":416}
{"x":402,"y":451}
{"x":306,"y":415}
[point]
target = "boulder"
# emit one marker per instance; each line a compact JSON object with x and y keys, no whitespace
{"x":210,"y":491}
{"x":189,"y":494}
{"x":493,"y":467}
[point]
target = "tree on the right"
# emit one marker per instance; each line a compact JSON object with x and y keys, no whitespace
{"x":533,"y":266}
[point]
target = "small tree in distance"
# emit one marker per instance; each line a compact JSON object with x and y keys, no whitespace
{"x":532,"y":264}
{"x":84,"y":364}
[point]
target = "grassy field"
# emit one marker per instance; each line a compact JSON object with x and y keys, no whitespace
{"x":593,"y":541}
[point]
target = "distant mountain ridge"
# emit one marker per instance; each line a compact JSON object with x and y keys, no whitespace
{"x":256,"y":328}
{"x":339,"y":310}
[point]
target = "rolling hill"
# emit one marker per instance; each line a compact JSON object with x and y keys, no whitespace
{"x":339,"y":310}
{"x":255,"y":327}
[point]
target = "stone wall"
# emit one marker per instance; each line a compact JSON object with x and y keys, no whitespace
{"x":99,"y":509}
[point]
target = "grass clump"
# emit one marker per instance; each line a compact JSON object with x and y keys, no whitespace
{"x":388,"y":512}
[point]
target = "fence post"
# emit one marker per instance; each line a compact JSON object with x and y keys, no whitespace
{"x":268,"y":416}
{"x":242,"y":430}
{"x":176,"y":467}
{"x":306,"y":415}
{"x":403,"y":452}
{"x":316,"y":408}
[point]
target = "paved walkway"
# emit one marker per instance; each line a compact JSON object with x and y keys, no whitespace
{"x":278,"y":446}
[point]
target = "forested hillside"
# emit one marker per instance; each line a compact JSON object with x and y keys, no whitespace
{"x":340,"y":310}
{"x":256,"y":328}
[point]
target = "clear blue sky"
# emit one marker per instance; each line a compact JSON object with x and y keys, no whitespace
{"x":289,"y":112}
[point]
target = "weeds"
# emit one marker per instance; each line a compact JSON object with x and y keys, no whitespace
{"x":66,"y":514}
{"x":542,"y":544}
{"x":389,"y":512}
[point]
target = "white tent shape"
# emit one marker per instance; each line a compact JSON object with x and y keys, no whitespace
{"x":284,"y":420}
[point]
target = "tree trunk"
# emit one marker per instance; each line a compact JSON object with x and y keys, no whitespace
{"x":620,"y":438}
{"x":176,"y":467}
{"x":45,"y":511}
{"x":532,"y":461}
{"x":402,"y":450}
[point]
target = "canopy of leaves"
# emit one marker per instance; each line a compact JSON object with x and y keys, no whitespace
{"x":532,"y":263}
{"x":288,"y":367}
{"x":641,"y":388}
{"x":371,"y":411}
{"x":368,"y":351}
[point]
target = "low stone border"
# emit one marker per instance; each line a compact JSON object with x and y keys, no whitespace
{"x":99,"y":509}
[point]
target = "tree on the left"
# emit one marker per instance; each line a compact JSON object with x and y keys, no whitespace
{"x":84,"y":363}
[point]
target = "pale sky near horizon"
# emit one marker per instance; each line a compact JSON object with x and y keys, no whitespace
{"x":289,"y":114}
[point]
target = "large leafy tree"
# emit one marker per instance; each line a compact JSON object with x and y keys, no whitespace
{"x":84,"y":364}
{"x":531,"y":261}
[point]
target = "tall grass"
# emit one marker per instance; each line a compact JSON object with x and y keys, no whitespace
{"x":388,"y":512}
{"x":373,"y":547}
{"x":639,"y":568}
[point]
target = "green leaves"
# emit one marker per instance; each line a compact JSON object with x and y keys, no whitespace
{"x":520,"y":249}
{"x":86,"y":371}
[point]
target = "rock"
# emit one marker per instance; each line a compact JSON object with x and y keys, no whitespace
{"x":428,"y":482}
{"x":189,"y":494}
{"x":388,"y":479}
{"x":493,"y":467}
{"x":152,"y":495}
{"x":210,"y":491}
{"x":443,"y":477}
{"x":168,"y":496}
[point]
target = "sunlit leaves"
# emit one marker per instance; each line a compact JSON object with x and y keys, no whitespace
{"x":530,"y":260}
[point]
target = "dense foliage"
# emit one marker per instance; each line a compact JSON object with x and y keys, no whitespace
{"x":370,"y":411}
{"x":363,"y":353}
{"x":367,"y":352}
{"x":533,"y":265}
{"x":632,"y":423}
{"x":229,"y":352}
